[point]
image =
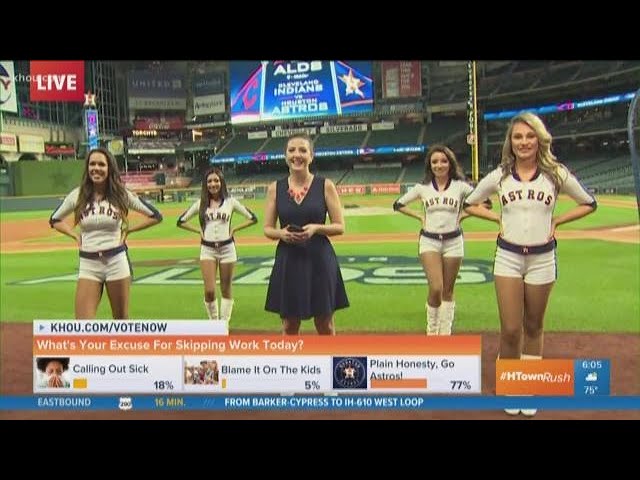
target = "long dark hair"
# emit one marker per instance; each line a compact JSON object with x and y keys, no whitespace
{"x":205,"y":196}
{"x":455,"y":172}
{"x":115,"y":191}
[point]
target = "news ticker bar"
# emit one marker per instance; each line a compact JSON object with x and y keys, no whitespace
{"x":298,"y":403}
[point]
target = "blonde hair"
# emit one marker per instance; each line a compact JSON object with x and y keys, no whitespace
{"x":547,"y":161}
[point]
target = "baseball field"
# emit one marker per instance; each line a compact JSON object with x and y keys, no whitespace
{"x":594,"y":308}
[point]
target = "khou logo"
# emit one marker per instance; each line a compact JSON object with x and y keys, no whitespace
{"x":53,"y":81}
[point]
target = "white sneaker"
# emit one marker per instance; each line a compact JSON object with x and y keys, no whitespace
{"x":512,"y":411}
{"x":529,"y":412}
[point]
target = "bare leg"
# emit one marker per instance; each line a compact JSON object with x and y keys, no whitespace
{"x":451,"y":266}
{"x":510,"y":293}
{"x":226,"y":275}
{"x":450,"y":269}
{"x":209,"y":270}
{"x":88,"y":295}
{"x":536,"y":298}
{"x":290,"y":326}
{"x":118,"y":291}
{"x":432,"y":266}
{"x":324,"y":324}
{"x":226,"y":302}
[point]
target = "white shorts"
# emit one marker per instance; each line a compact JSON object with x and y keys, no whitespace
{"x":105,"y":269}
{"x":535,"y":269}
{"x":224,"y":254}
{"x":453,"y":247}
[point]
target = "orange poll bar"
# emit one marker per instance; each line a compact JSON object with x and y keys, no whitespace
{"x":399,"y":383}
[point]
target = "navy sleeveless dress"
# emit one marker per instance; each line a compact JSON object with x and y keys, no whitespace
{"x":306,"y":279}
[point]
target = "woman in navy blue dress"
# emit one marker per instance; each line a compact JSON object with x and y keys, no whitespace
{"x":306,"y":280}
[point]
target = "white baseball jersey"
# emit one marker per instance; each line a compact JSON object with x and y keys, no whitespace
{"x":100,"y":223}
{"x":441,"y":209}
{"x":527,"y":207}
{"x":217,"y":219}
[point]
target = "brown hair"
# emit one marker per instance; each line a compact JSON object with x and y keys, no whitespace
{"x":455,"y":172}
{"x":205,"y":196}
{"x":115,"y":191}
{"x":303,"y":136}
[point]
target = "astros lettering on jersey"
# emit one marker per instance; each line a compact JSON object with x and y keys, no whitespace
{"x":100,"y":222}
{"x":217,"y":219}
{"x":527,"y":207}
{"x":441,"y":209}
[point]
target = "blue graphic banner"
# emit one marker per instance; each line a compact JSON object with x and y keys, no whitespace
{"x":91,"y":125}
{"x":276,"y":90}
{"x":591,"y":377}
{"x":342,"y":152}
{"x":298,"y":403}
{"x":561,"y":107}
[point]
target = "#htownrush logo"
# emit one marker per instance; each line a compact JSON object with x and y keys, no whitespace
{"x":53,"y":81}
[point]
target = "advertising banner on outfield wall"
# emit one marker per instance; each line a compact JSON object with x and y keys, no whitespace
{"x":351,"y":189}
{"x":31,"y":144}
{"x":65,"y":148}
{"x":287,"y":132}
{"x":8,"y":142}
{"x":257,"y":135}
{"x":383,"y":126}
{"x":358,"y":127}
{"x":384,"y":188}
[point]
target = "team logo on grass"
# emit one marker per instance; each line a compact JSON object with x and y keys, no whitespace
{"x":366,"y":269}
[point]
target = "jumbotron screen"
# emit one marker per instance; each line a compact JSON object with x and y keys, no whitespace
{"x":275,"y":90}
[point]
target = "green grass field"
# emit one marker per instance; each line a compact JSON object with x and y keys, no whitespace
{"x":597,"y":288}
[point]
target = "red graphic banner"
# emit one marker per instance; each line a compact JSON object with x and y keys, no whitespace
{"x":53,"y":81}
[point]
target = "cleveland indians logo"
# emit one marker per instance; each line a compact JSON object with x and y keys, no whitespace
{"x":5,"y":85}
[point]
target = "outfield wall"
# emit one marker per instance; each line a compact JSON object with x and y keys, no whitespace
{"x":24,"y":204}
{"x":45,"y":178}
{"x":161,"y":195}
